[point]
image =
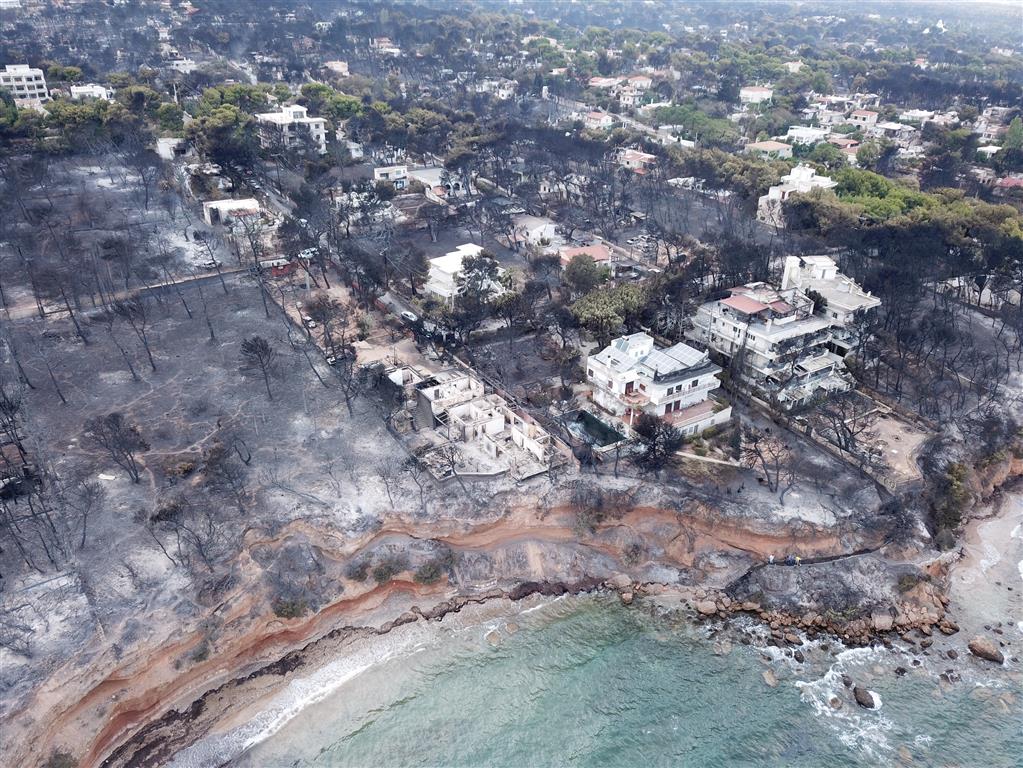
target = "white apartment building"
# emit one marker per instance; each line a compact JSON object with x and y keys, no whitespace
{"x":843,"y":299}
{"x":91,"y":91}
{"x":26,"y":84}
{"x":775,"y":340}
{"x":286,"y":128}
{"x":632,"y":376}
{"x":801,"y":179}
{"x":446,"y":270}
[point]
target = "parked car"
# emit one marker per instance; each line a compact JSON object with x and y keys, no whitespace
{"x":409,"y":317}
{"x":212,"y":264}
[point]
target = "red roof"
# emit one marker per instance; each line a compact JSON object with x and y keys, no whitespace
{"x":597,"y":252}
{"x":744,"y":304}
{"x":781,"y":307}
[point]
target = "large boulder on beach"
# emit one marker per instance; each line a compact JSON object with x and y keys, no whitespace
{"x":986,"y":649}
{"x":881,"y":621}
{"x":707,"y":607}
{"x":619,"y":581}
{"x":864,"y":697}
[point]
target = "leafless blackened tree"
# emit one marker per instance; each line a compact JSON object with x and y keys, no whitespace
{"x":418,"y":474}
{"x":108,"y":321}
{"x":259,"y":355}
{"x":225,"y":472}
{"x":763,"y":451}
{"x":846,"y":420}
{"x":121,"y":440}
{"x":136,"y":313}
{"x":199,"y":528}
{"x":388,"y":471}
{"x":349,"y":378}
{"x":206,"y":310}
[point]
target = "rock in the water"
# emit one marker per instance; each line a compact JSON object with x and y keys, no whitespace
{"x":707,"y":607}
{"x":847,"y":681}
{"x":953,"y":653}
{"x":770,"y":678}
{"x":792,"y":639}
{"x":798,"y":656}
{"x":926,"y":642}
{"x":511,"y":628}
{"x":986,"y":649}
{"x":626,"y":598}
{"x":900,"y":671}
{"x":493,"y":637}
{"x":835,"y":702}
{"x":864,"y":697}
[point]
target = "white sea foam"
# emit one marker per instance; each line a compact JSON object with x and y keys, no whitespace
{"x":857,"y":729}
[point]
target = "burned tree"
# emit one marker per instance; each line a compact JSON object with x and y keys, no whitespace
{"x":121,"y":440}
{"x":656,"y":441}
{"x":135,"y":312}
{"x":763,"y":451}
{"x":259,"y":355}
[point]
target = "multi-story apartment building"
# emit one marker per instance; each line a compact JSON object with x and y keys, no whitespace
{"x":842,"y":300}
{"x":26,"y":84}
{"x":632,"y":376}
{"x":289,"y":128}
{"x":774,"y":340}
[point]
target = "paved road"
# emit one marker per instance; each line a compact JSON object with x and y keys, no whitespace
{"x":25,"y":309}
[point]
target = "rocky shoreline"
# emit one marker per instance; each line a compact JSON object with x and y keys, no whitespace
{"x":156,"y":742}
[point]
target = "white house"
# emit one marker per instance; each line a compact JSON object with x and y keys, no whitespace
{"x":755,"y":94}
{"x":641,"y":82}
{"x":396,"y":174}
{"x":338,"y":68}
{"x":598,"y":121}
{"x":446,"y":270}
{"x":636,"y":160}
{"x":455,"y":405}
{"x":91,"y":91}
{"x":774,"y":340}
{"x":26,"y":84}
{"x":842,"y":299}
{"x":802,"y":134}
{"x":769,"y":149}
{"x":286,"y":128}
{"x":862,"y":118}
{"x":226,"y":211}
{"x":632,"y":376}
{"x":801,"y":179}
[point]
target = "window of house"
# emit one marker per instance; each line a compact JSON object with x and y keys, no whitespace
{"x":589,"y":372}
{"x":695,"y":383}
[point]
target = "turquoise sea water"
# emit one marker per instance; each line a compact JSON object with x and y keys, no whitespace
{"x":587,"y":682}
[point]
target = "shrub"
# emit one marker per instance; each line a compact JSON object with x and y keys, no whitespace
{"x":61,"y":759}
{"x":357,"y":570}
{"x":633,"y":553}
{"x":386,"y":570}
{"x":428,"y":573}
{"x":290,"y":609}
{"x":201,"y":653}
